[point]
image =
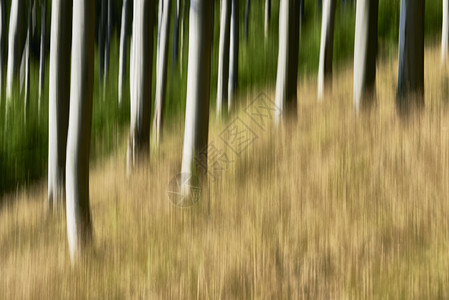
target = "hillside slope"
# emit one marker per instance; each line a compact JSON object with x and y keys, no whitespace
{"x":337,"y":206}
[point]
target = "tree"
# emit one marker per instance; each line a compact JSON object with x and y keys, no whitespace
{"x":233,"y":53}
{"x":79,"y":224}
{"x":445,"y":31}
{"x":198,"y":92}
{"x":142,"y":65}
{"x":267,"y":16}
{"x":411,"y":55}
{"x":287,"y":72}
{"x":161,"y":72}
{"x":365,"y":51}
{"x":59,"y":98}
{"x":42,"y":51}
{"x":123,"y":48}
{"x":223,"y":56}
{"x":327,"y":46}
{"x":2,"y":44}
{"x":107,"y":43}
{"x":15,"y":42}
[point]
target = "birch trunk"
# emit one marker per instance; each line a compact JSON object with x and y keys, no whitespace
{"x":79,"y":224}
{"x":267,"y":16}
{"x":223,"y":56}
{"x":42,"y":52}
{"x":233,"y":53}
{"x":161,"y":75}
{"x":287,"y":72}
{"x":327,"y":47}
{"x":26,"y":52}
{"x":365,"y":52}
{"x":411,"y":55}
{"x":141,"y":81}
{"x":445,"y":31}
{"x":15,"y":43}
{"x":123,"y":48}
{"x":59,"y":98}
{"x":2,"y":44}
{"x":198,"y":93}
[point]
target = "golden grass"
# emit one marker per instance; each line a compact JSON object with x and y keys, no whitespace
{"x":337,"y":207}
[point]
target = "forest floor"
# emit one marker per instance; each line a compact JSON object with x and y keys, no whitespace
{"x":337,"y":206}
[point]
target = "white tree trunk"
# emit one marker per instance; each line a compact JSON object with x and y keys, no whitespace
{"x":142,"y":61}
{"x":59,"y":98}
{"x":267,"y":16}
{"x":42,"y":52}
{"x":123,"y":48}
{"x":445,"y":31}
{"x":2,"y":44}
{"x":233,"y":53}
{"x":198,"y":92}
{"x":15,"y":45}
{"x":327,"y":46}
{"x":223,"y":56}
{"x":79,"y":224}
{"x":287,"y":72}
{"x":161,"y":72}
{"x":365,"y":51}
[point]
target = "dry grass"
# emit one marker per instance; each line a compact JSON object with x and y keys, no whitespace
{"x":337,"y":207}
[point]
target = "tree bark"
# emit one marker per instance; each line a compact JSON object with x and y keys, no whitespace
{"x":161,"y":77}
{"x":445,"y":31}
{"x":79,"y":224}
{"x":267,"y":16}
{"x":2,"y":44}
{"x":141,"y":82}
{"x":15,"y":43}
{"x":198,"y":92}
{"x":287,"y":72}
{"x":327,"y":47}
{"x":248,"y":6}
{"x":223,"y":56}
{"x":233,"y":53}
{"x":411,"y":55}
{"x":59,"y":98}
{"x":123,"y":48}
{"x":42,"y":52}
{"x":365,"y":52}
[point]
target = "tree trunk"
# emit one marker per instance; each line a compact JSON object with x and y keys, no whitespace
{"x":267,"y":16}
{"x":27,"y":62}
{"x":101,"y":41}
{"x":365,"y":52}
{"x":42,"y":53}
{"x":161,"y":77}
{"x":176,"y":35}
{"x":141,"y":82}
{"x":79,"y":224}
{"x":248,"y":6}
{"x":59,"y":98}
{"x":123,"y":48}
{"x":15,"y":43}
{"x":445,"y":31}
{"x":327,"y":47}
{"x":2,"y":44}
{"x":223,"y":56}
{"x":198,"y":92}
{"x":107,"y":43}
{"x":287,"y":72}
{"x":233,"y":53}
{"x":411,"y":55}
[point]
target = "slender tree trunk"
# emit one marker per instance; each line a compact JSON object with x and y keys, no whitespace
{"x":445,"y":31}
{"x":327,"y":47}
{"x":141,"y":84}
{"x":42,"y":53}
{"x":27,"y":62}
{"x":411,"y":55}
{"x":102,"y":41}
{"x":123,"y":48}
{"x":365,"y":52}
{"x":15,"y":45}
{"x":287,"y":72}
{"x":176,"y":35}
{"x":223,"y":56}
{"x":59,"y":98}
{"x":79,"y":224}
{"x":248,"y":6}
{"x":159,"y":20}
{"x":198,"y":93}
{"x":107,"y":44}
{"x":2,"y":44}
{"x":161,"y":77}
{"x":233,"y":53}
{"x":267,"y":16}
